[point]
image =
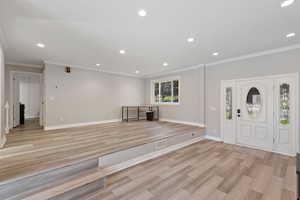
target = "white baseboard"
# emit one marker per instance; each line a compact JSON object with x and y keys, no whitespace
{"x":183,"y":122}
{"x":149,"y":156}
{"x":2,"y":140}
{"x":218,"y":139}
{"x":47,"y":128}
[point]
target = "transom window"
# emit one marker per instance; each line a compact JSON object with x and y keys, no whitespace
{"x":165,"y":91}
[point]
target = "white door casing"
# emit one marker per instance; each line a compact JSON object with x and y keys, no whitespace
{"x":228,"y":96}
{"x":37,"y":91}
{"x":16,"y":101}
{"x":275,"y":128}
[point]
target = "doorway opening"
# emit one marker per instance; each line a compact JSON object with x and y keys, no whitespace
{"x":26,"y":101}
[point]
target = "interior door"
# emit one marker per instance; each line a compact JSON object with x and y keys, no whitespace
{"x":255,"y":113}
{"x":16,"y":101}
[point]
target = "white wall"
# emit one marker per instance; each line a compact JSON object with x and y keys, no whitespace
{"x":85,"y":96}
{"x":280,"y":63}
{"x":2,"y":132}
{"x":191,"y":107}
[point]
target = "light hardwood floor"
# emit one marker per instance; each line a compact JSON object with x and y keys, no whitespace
{"x":207,"y":170}
{"x":31,"y":151}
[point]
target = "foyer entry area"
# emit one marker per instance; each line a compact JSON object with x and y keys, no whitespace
{"x":261,"y":113}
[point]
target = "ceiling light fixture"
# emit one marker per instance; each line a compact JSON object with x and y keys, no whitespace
{"x":98,"y":65}
{"x":290,"y":35}
{"x":215,"y":54}
{"x":122,"y":51}
{"x":41,"y":45}
{"x":287,"y":3}
{"x":142,"y":13}
{"x":165,"y":64}
{"x":137,"y":71}
{"x":190,"y":40}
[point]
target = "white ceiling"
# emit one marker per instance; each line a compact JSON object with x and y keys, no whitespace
{"x":80,"y":32}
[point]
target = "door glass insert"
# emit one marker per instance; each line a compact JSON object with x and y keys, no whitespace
{"x":253,"y":102}
{"x":228,"y":111}
{"x":284,"y":103}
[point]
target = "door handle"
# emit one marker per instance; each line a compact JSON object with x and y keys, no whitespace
{"x":238,"y":111}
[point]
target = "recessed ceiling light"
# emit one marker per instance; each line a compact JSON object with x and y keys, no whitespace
{"x":41,"y":45}
{"x":287,"y":3}
{"x":122,"y":52}
{"x":290,"y":35}
{"x":142,"y":13}
{"x":165,"y":64}
{"x":190,"y":40}
{"x":137,"y":71}
{"x":97,"y":65}
{"x":215,"y":54}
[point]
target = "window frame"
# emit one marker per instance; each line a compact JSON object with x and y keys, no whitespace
{"x":163,"y":80}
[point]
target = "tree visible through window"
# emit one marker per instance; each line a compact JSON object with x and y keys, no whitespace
{"x":166,"y":91}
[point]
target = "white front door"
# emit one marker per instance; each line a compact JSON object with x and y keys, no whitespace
{"x":254,"y":113}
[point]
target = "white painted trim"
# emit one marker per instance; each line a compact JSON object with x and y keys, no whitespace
{"x":177,"y":70}
{"x":295,"y":76}
{"x":47,"y":128}
{"x":2,"y":140}
{"x":257,"y":54}
{"x":181,"y":69}
{"x":233,"y":59}
{"x":23,"y":64}
{"x":182,"y":122}
{"x":218,"y":139}
{"x":149,"y":156}
{"x":297,"y":104}
{"x":91,"y":68}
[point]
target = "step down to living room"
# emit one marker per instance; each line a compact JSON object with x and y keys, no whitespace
{"x":78,"y":179}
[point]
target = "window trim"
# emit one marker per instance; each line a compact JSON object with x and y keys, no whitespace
{"x":162,"y":80}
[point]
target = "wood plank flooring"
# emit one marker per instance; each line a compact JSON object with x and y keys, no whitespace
{"x":31,"y":151}
{"x":207,"y":170}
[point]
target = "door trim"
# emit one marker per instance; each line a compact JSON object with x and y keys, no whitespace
{"x":296,"y":131}
{"x":11,"y":95}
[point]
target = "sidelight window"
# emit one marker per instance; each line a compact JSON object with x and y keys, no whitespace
{"x":228,"y":107}
{"x":284,"y":103}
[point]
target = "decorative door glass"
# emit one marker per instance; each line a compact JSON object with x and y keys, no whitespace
{"x":228,"y":103}
{"x":284,"y":103}
{"x":253,"y":102}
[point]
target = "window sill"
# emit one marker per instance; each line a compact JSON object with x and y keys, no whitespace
{"x":166,"y":104}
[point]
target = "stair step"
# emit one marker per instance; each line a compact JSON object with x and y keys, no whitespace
{"x":71,"y":185}
{"x":22,"y":187}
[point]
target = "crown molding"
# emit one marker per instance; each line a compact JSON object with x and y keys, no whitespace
{"x":91,"y":69}
{"x":153,"y":75}
{"x":167,"y":72}
{"x":253,"y":55}
{"x":23,"y":64}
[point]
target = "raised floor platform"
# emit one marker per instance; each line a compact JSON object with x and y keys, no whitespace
{"x":31,"y":153}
